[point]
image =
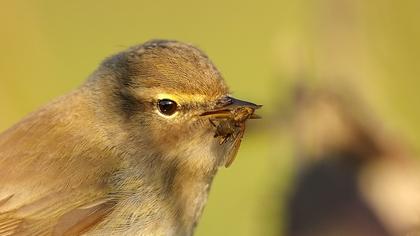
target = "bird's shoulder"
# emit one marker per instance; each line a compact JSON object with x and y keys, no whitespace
{"x":53,"y":172}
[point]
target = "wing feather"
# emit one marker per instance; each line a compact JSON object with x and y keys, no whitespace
{"x":57,"y":214}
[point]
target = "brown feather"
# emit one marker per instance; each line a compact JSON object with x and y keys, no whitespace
{"x":79,"y":221}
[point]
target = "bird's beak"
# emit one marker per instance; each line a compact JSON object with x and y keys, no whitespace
{"x":226,"y":106}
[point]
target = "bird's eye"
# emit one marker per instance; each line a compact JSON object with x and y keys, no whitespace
{"x":167,"y":107}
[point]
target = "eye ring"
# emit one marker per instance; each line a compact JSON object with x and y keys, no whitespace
{"x":167,"y":107}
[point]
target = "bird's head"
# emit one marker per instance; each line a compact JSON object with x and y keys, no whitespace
{"x":166,"y":100}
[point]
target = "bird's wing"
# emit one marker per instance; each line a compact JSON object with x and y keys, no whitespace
{"x":54,"y":166}
{"x":57,"y":198}
{"x":56,"y":214}
{"x":63,"y":196}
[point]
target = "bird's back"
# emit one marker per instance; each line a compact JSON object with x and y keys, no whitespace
{"x":50,"y":179}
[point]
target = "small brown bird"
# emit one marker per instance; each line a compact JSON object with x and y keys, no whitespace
{"x":133,"y":151}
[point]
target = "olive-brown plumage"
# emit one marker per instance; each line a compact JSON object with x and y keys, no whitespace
{"x":131,"y":152}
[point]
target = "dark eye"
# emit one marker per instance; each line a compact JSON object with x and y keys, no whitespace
{"x":167,"y":107}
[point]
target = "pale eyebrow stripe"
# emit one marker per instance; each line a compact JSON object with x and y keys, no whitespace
{"x":184,"y":98}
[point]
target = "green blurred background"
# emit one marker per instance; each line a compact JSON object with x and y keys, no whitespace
{"x":49,"y":47}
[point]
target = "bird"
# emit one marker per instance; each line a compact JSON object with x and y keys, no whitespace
{"x":132,"y":151}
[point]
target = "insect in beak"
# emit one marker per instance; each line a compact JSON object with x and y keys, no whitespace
{"x":229,"y":118}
